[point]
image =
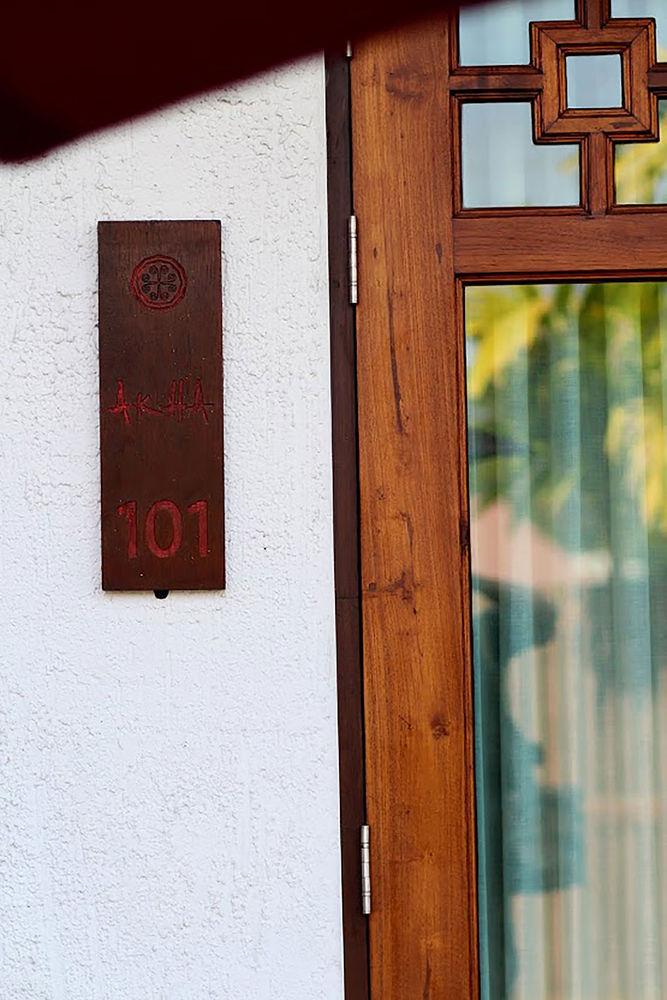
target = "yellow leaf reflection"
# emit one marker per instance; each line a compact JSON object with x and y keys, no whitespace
{"x":636,"y":438}
{"x":501,"y":322}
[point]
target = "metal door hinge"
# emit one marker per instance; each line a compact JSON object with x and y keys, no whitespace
{"x":352,"y":257}
{"x":366,"y":870}
{"x":348,"y":50}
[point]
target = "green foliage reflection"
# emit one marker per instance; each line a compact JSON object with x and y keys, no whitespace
{"x":598,"y":349}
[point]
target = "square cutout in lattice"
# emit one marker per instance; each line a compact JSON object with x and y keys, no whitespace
{"x":594,"y":81}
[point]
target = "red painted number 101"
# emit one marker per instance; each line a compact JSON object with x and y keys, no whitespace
{"x":165,"y":509}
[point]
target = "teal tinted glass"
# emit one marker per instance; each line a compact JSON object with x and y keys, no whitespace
{"x":656,"y":9}
{"x":567,"y":430}
{"x":497,"y":34}
{"x":503,"y":168}
{"x":594,"y":81}
{"x":641,"y":168}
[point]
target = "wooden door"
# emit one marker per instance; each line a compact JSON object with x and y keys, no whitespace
{"x":418,"y":247}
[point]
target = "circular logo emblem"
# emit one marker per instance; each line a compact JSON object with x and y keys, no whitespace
{"x":159,"y":282}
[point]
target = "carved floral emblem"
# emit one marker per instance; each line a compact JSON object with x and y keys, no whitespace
{"x":159,"y":282}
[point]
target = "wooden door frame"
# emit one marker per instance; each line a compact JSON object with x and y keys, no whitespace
{"x":347,"y":570}
{"x":399,"y":447}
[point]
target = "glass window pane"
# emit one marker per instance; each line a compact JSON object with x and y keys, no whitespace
{"x":496,"y":34}
{"x":641,"y":169}
{"x":503,"y":168}
{"x":594,"y":81}
{"x":567,"y":424}
{"x":646,"y":8}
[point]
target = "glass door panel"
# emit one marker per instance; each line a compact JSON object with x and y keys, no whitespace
{"x":497,"y":33}
{"x":657,"y":9}
{"x":567,"y":408}
{"x":641,"y":168}
{"x":503,"y":167}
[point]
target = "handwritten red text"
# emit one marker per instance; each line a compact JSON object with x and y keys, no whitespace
{"x":180,"y":404}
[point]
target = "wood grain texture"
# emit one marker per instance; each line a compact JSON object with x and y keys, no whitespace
{"x":476,"y":82}
{"x":597,"y":174}
{"x":657,"y":79}
{"x":346,"y":527}
{"x":414,"y":536}
{"x":619,"y":242}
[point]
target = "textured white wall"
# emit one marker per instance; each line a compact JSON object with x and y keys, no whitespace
{"x":168,"y":781}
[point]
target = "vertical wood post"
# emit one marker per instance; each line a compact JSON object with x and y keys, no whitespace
{"x":414,"y":532}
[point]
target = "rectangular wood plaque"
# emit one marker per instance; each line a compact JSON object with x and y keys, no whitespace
{"x":161,"y":406}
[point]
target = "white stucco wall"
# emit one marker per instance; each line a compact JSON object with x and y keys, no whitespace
{"x":168,"y":769}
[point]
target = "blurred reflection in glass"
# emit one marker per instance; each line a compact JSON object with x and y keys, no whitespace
{"x":503,"y":168}
{"x":567,"y":408}
{"x":496,"y":34}
{"x":641,"y":168}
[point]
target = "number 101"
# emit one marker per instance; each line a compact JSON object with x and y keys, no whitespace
{"x":165,"y":510}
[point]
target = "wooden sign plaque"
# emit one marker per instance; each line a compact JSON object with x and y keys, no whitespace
{"x":161,"y":406}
